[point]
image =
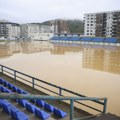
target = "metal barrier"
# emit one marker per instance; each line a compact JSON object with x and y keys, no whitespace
{"x":6,"y":70}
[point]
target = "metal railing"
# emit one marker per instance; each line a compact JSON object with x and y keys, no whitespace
{"x":78,"y":97}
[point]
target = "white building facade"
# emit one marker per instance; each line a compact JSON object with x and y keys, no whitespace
{"x":89,"y":24}
{"x":13,"y":31}
{"x":36,"y":31}
{"x":103,"y":24}
{"x":9,"y":30}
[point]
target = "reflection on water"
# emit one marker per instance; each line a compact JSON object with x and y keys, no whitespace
{"x":38,"y":46}
{"x":104,"y":59}
{"x":93,"y":70}
{"x":62,"y":48}
{"x":8,"y":49}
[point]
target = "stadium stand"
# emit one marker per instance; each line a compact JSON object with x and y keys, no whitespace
{"x":15,"y":113}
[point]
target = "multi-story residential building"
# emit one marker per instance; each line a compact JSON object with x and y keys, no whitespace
{"x":9,"y":30}
{"x":104,"y":24}
{"x":36,"y":31}
{"x":59,"y":26}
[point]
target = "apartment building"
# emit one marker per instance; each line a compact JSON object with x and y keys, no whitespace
{"x":36,"y":31}
{"x":59,"y":26}
{"x":9,"y":30}
{"x":102,"y":24}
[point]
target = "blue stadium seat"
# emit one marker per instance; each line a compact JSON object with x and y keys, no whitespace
{"x":40,"y":103}
{"x":8,"y":91}
{"x":52,"y":38}
{"x":98,"y":39}
{"x":22,"y":102}
{"x":2,"y":101}
{"x":18,"y":115}
{"x":75,"y":38}
{"x":14,"y":88}
{"x":31,"y":107}
{"x":3,"y":89}
{"x":10,"y":86}
{"x":49,"y":107}
{"x":0,"y":87}
{"x":86,"y":39}
{"x":64,"y":38}
{"x":55,"y":38}
{"x":41,"y":114}
{"x":19,"y":91}
{"x":59,"y":113}
{"x":1,"y":81}
{"x":13,"y":108}
{"x":5,"y":83}
{"x":34,"y":101}
{"x":24,"y":92}
{"x":111,"y":40}
{"x":6,"y":107}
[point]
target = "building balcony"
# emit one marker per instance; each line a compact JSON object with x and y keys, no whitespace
{"x":104,"y":25}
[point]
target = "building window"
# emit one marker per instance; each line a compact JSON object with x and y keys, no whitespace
{"x":87,"y":24}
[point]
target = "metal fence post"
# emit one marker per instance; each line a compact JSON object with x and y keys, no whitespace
{"x":105,"y":106}
{"x":60,"y":91}
{"x":71,"y":109}
{"x":2,"y":69}
{"x":33,"y":83}
{"x":15,"y":75}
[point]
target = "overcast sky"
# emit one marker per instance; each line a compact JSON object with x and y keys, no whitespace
{"x":26,"y":11}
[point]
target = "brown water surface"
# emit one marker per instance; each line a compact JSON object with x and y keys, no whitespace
{"x":90,"y":70}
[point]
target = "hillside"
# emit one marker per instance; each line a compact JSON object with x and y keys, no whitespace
{"x":75,"y":26}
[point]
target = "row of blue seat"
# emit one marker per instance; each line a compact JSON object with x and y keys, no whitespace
{"x":4,"y":89}
{"x":32,"y":108}
{"x":13,"y":111}
{"x":86,"y":39}
{"x":25,"y":103}
{"x":7,"y":107}
{"x":12,"y":87}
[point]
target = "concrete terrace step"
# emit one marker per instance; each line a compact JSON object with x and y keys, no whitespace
{"x":63,"y":106}
{"x":40,"y":113}
{"x":108,"y":116}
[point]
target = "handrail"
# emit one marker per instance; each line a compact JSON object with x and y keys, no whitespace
{"x":45,"y":97}
{"x":49,"y":83}
{"x":16,"y":75}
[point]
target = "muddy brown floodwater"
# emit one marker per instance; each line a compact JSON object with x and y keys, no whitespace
{"x":91,"y":70}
